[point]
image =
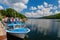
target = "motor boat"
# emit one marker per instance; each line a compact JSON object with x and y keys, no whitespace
{"x":17,"y":29}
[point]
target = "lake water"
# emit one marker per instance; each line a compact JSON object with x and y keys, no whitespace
{"x":43,"y":29}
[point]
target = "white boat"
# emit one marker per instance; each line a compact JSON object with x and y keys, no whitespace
{"x":17,"y":30}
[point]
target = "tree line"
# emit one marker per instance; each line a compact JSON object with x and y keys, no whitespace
{"x":56,"y":16}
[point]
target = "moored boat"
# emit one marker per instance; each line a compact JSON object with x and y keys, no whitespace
{"x":17,"y":30}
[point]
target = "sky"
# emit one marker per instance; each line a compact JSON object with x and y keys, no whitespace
{"x":33,"y":8}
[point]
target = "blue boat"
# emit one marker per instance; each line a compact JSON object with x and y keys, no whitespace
{"x":17,"y":29}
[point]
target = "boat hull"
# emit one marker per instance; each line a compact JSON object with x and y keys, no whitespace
{"x":20,"y":34}
{"x":17,"y":35}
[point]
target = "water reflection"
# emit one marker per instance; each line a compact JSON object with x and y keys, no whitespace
{"x":43,"y":29}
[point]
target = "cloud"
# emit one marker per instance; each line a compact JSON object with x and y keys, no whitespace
{"x":39,"y":13}
{"x":18,"y":5}
{"x":32,"y":14}
{"x":59,"y":5}
{"x":51,"y":6}
{"x":45,"y":4}
{"x":1,"y":7}
{"x":14,"y":1}
{"x":59,"y":1}
{"x":33,"y":8}
{"x":28,"y":14}
{"x":40,"y":6}
{"x":25,"y":1}
{"x":42,"y":10}
{"x":56,"y":12}
{"x":46,"y":11}
{"x":55,"y":7}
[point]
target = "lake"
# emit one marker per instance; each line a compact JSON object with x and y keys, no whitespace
{"x":43,"y":29}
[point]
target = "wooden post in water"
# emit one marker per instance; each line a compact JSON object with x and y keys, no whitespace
{"x":3,"y":35}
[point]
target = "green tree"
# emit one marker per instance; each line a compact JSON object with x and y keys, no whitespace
{"x":9,"y":12}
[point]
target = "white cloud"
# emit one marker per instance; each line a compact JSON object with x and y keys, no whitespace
{"x":32,"y":14}
{"x":19,"y":6}
{"x":1,"y":7}
{"x":16,"y":4}
{"x":33,"y":8}
{"x":28,"y":14}
{"x":59,"y":6}
{"x":42,"y":10}
{"x":45,"y":4}
{"x":56,"y":12}
{"x":46,"y":11}
{"x":51,"y":6}
{"x":59,"y":1}
{"x":14,"y":1}
{"x":55,"y":7}
{"x":39,"y":13}
{"x":25,"y":1}
{"x":40,"y":6}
